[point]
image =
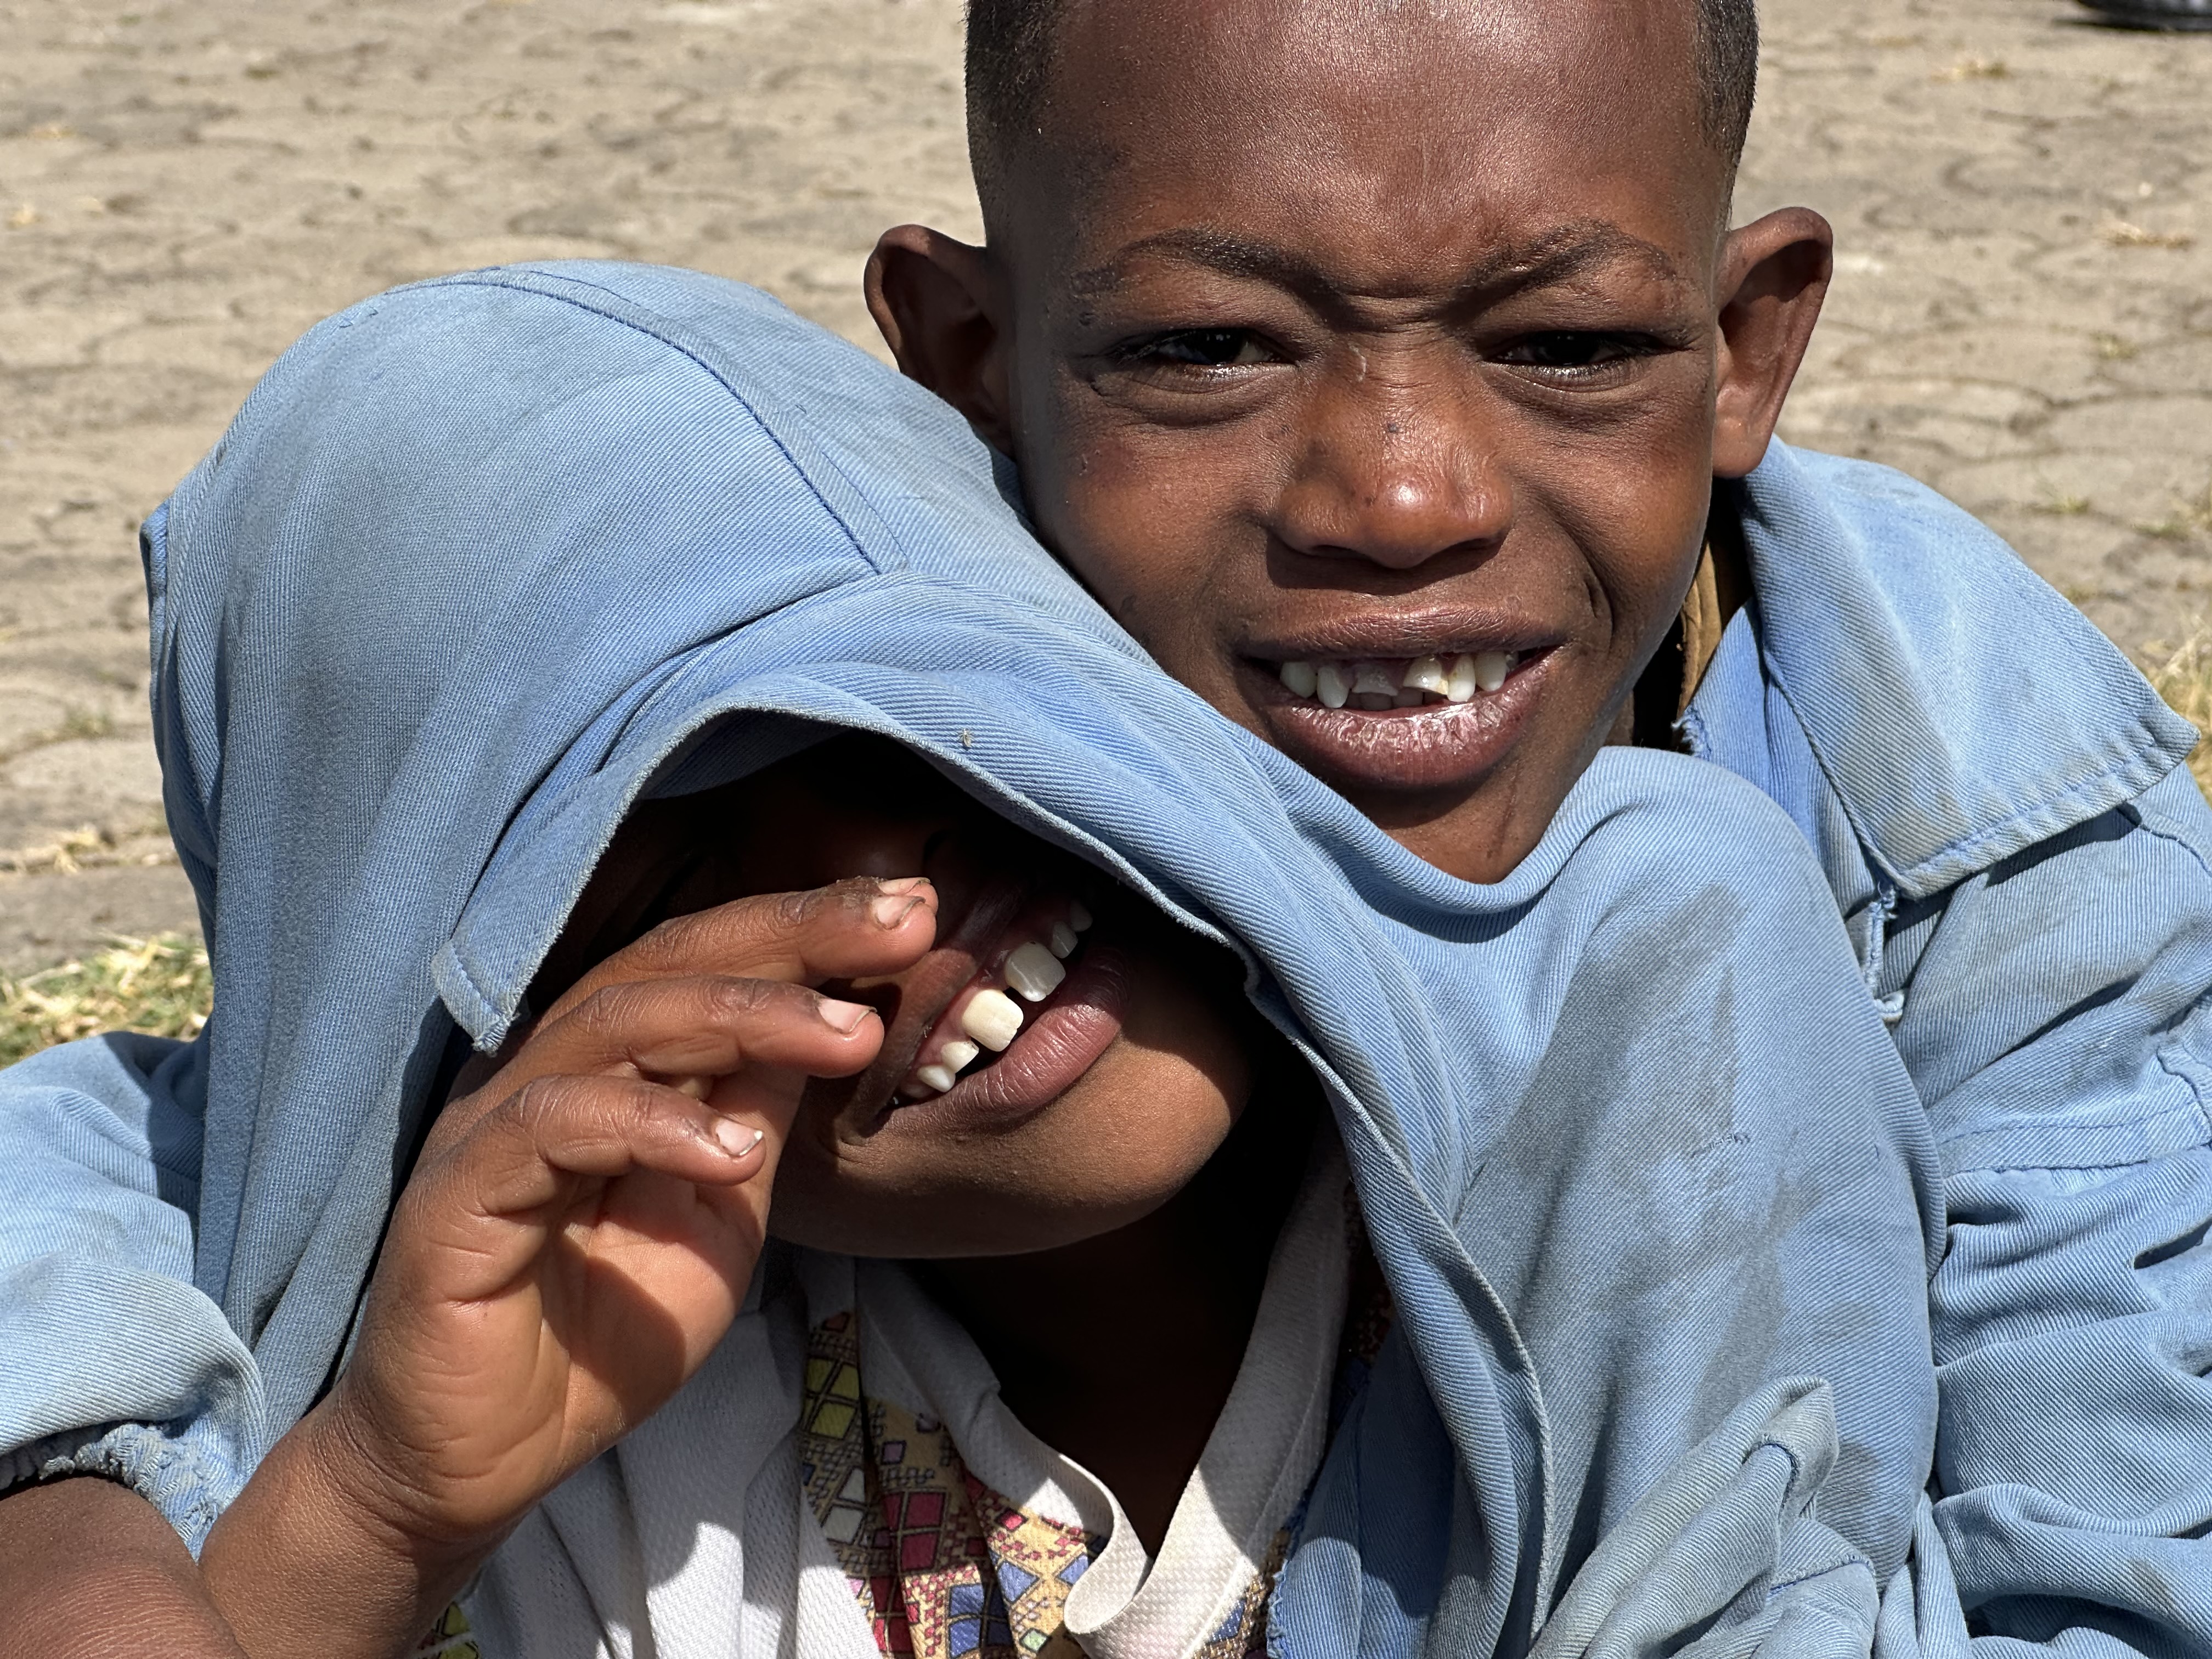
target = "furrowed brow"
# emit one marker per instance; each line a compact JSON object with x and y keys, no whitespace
{"x":1559,"y":255}
{"x":1216,"y":250}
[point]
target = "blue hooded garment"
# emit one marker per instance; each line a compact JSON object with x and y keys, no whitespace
{"x":487,"y":560}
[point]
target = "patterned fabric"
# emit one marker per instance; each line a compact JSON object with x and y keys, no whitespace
{"x":945,"y":1568}
{"x":449,"y":1638}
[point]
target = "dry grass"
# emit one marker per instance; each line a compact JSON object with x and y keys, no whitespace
{"x":2185,"y":680}
{"x":159,"y":985}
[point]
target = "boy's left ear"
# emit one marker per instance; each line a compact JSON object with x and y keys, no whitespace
{"x":932,"y":299}
{"x":1774,"y":275}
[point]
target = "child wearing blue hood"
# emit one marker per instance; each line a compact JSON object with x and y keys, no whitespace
{"x":1337,"y":1256}
{"x":1390,"y":372}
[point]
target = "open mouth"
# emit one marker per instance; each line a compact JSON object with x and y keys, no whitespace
{"x":1441,"y":720}
{"x":1045,"y":999}
{"x":1373,"y":684}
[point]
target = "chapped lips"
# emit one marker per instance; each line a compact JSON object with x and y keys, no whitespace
{"x":1438,"y":719}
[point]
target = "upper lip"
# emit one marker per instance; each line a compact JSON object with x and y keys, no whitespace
{"x":927,"y":989}
{"x":1437,"y":631}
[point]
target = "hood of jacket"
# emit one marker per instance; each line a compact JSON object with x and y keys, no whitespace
{"x":485,"y":560}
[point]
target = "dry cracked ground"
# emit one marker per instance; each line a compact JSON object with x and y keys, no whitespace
{"x":2022,"y":316}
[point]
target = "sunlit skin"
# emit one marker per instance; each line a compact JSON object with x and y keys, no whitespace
{"x":1339,"y":331}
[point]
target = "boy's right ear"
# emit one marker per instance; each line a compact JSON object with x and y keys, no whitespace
{"x":932,"y":298}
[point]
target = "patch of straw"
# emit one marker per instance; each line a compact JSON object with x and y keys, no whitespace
{"x":161,"y":985}
{"x":2185,"y":680}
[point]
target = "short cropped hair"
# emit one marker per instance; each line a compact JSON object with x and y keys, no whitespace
{"x":1009,"y":62}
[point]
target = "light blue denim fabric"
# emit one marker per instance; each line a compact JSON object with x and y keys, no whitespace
{"x":481,"y":559}
{"x":1993,"y":793}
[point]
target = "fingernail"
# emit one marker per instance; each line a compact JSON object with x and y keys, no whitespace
{"x":889,"y":911}
{"x":902,"y":884}
{"x":844,"y":1017}
{"x":695,"y":1086}
{"x":735,"y":1138}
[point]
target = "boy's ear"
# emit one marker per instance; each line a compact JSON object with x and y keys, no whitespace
{"x":1774,"y":275}
{"x":932,"y":298}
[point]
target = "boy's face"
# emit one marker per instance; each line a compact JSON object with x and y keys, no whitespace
{"x":1384,"y":339}
{"x":1130,"y":1053}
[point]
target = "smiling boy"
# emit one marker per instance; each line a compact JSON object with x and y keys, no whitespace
{"x":1392,"y":371}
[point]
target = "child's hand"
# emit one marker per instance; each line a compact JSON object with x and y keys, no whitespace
{"x":580,"y":1231}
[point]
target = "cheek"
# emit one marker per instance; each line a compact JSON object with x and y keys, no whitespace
{"x":1637,"y":510}
{"x":1150,"y":517}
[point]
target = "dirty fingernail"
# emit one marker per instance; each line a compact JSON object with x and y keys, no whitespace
{"x":735,"y":1138}
{"x":844,"y":1017}
{"x":892,"y":910}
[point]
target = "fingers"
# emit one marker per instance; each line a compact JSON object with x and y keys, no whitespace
{"x":706,"y":1025}
{"x":840,"y":931}
{"x":525,"y":1153}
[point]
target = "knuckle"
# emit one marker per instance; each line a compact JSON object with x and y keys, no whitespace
{"x":607,"y":1012}
{"x":678,"y":939}
{"x":729,"y":1000}
{"x":543,"y":1100}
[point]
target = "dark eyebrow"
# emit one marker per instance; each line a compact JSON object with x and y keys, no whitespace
{"x":1557,"y":255}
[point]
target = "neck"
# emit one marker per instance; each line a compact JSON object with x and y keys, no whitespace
{"x":1120,"y":1351}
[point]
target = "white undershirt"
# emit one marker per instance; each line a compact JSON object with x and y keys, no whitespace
{"x":694,"y":1538}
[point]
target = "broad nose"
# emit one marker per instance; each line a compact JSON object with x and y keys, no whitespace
{"x":1395,"y":477}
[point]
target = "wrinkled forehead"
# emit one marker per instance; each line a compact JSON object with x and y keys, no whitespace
{"x":1411,"y":120}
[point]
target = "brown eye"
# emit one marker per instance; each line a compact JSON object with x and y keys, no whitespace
{"x":1567,"y":349}
{"x":1210,"y":348}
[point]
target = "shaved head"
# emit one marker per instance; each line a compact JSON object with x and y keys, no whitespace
{"x":1011,"y":45}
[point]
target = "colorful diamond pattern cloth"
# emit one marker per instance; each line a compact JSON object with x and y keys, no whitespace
{"x":943,"y":1566}
{"x":449,"y":1638}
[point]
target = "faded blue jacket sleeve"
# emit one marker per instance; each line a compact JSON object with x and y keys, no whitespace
{"x":102,"y":1140}
{"x":1999,"y":802}
{"x":2057,"y":1016}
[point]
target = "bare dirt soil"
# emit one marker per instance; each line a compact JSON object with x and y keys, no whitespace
{"x":2023,"y":315}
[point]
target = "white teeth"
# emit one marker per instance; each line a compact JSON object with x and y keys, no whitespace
{"x":1078,"y":917}
{"x":1034,"y":971}
{"x":939,"y":1078}
{"x":1426,"y":674}
{"x":992,"y":1018}
{"x":954,"y":1056}
{"x":1372,"y":685}
{"x":1064,"y":939}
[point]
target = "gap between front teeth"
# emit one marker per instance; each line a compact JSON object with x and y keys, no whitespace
{"x":1336,"y":684}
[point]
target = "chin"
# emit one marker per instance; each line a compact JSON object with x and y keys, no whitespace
{"x":1094,"y":1161}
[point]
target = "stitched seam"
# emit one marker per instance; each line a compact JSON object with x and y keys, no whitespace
{"x":2120,"y":766}
{"x":2188,"y":847}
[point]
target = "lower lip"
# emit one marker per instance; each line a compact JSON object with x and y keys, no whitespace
{"x":1434,"y":746}
{"x":1059,"y":1040}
